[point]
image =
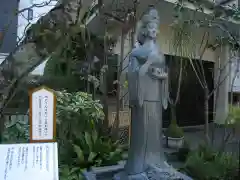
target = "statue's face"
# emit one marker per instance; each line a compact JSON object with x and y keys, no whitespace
{"x":152,"y":30}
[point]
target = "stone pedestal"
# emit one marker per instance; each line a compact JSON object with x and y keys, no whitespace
{"x":152,"y":173}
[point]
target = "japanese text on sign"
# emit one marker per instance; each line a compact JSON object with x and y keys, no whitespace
{"x":42,"y":115}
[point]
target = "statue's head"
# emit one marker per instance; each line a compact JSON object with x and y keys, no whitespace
{"x":150,"y":25}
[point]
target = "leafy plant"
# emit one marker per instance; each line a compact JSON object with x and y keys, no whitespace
{"x":16,"y":131}
{"x":174,"y":131}
{"x":92,"y":150}
{"x":206,"y":164}
{"x":234,"y":116}
{"x":81,"y":144}
{"x":77,"y":112}
{"x":67,"y":173}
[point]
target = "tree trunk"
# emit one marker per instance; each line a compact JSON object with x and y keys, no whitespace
{"x":206,"y":113}
{"x":38,"y":44}
{"x":118,"y":99}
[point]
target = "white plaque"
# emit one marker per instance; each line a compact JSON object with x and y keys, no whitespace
{"x":38,"y":161}
{"x":42,"y":115}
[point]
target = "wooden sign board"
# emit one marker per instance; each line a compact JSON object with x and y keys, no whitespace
{"x":42,"y":115}
{"x":36,"y":161}
{"x":124,"y":118}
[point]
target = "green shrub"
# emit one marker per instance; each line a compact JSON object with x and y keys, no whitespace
{"x":81,"y":144}
{"x":174,"y":131}
{"x":70,"y":173}
{"x":16,"y":131}
{"x":92,"y":150}
{"x":76,"y":113}
{"x":205,"y":164}
{"x":233,"y":116}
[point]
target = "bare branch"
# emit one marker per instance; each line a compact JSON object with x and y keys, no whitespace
{"x":206,"y":34}
{"x":34,"y":49}
{"x":220,"y":81}
{"x":43,"y":4}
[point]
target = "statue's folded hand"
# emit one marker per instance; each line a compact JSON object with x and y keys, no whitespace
{"x":157,"y":73}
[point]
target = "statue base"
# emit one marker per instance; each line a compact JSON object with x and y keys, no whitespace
{"x":154,"y":173}
{"x":151,"y":173}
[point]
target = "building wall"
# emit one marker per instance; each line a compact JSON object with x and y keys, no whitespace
{"x":8,"y":25}
{"x":166,"y":42}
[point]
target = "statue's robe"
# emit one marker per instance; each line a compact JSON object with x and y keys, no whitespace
{"x":146,"y":98}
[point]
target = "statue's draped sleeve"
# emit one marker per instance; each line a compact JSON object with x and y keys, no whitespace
{"x":145,"y":86}
{"x":133,"y":68}
{"x":165,"y":93}
{"x":165,"y":90}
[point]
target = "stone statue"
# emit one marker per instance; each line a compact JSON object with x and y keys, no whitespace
{"x":148,"y":95}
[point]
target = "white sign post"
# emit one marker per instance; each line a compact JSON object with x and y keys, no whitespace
{"x":36,"y":161}
{"x":42,"y":115}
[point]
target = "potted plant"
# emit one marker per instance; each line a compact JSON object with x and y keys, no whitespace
{"x":174,"y":136}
